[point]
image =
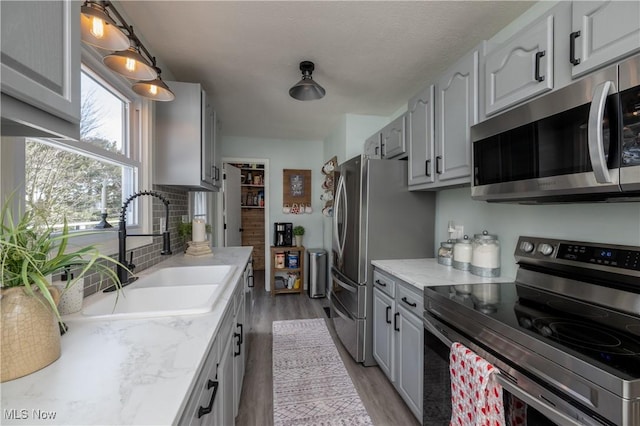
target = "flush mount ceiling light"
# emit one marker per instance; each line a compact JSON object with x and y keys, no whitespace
{"x":306,"y":89}
{"x":131,"y":58}
{"x":99,"y":29}
{"x":131,"y":64}
{"x":156,"y":90}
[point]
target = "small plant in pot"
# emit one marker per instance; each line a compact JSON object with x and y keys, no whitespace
{"x":31,"y":251}
{"x":298,"y":232}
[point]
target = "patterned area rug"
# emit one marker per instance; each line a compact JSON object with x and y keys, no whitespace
{"x":311,"y":386}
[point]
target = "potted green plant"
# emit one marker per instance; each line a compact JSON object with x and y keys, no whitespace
{"x":298,"y":232}
{"x":31,"y":251}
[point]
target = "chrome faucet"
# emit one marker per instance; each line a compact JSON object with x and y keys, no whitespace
{"x":123,"y":272}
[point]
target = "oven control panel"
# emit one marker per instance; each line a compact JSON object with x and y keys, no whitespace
{"x":602,"y":256}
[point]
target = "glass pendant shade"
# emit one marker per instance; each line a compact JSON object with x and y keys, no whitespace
{"x":156,"y":90}
{"x":307,"y":89}
{"x":131,"y":64}
{"x":99,"y":30}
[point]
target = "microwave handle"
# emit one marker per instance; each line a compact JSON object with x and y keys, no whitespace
{"x":596,"y":144}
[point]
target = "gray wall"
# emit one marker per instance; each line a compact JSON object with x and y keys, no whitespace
{"x":615,"y":223}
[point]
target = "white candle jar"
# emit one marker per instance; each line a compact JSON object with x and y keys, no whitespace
{"x":485,"y":257}
{"x":462,"y":253}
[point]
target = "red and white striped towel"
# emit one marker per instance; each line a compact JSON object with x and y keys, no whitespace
{"x":476,"y":396}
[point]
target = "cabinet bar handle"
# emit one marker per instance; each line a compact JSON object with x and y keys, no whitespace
{"x":241,"y":333}
{"x":206,"y":410}
{"x":413,"y":305}
{"x":427,"y":167}
{"x":438,"y":168}
{"x":381,"y":283}
{"x":387,"y":315}
{"x":537,"y":76}
{"x":238,"y":342}
{"x":395,"y":321}
{"x":572,"y":48}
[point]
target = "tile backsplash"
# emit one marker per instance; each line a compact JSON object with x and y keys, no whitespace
{"x":147,"y":256}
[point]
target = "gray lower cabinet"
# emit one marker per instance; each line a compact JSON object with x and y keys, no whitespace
{"x":602,"y":32}
{"x":398,"y":336}
{"x":40,"y":67}
{"x":215,"y":398}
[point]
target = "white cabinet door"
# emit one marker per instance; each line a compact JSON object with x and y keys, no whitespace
{"x":239,"y":352}
{"x":383,"y":310}
{"x":393,"y":138}
{"x":372,"y":147}
{"x":520,"y":68}
{"x":226,"y":414}
{"x":184,"y":139}
{"x":602,"y":32}
{"x":457,"y":111}
{"x":40,"y":63}
{"x":421,"y":137}
{"x":409,"y":376}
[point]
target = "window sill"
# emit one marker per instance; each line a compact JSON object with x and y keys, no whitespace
{"x":107,"y":242}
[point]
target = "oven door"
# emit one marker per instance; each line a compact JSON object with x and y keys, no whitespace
{"x":522,"y":397}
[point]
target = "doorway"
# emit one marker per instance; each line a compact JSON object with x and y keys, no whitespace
{"x":254,"y":206}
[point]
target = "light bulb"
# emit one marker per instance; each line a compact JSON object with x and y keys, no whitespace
{"x":97,"y":27}
{"x":130,"y":64}
{"x":153,"y":89}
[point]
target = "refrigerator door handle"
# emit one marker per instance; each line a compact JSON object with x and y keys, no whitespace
{"x":340,"y":240}
{"x":344,"y":285}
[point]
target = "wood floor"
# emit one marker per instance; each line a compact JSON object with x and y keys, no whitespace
{"x":384,"y":405}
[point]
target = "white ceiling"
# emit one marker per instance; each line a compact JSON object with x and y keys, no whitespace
{"x":370,"y":56}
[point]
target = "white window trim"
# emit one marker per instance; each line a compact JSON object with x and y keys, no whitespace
{"x":12,"y":162}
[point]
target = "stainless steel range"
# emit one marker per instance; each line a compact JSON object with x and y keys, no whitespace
{"x":565,"y":335}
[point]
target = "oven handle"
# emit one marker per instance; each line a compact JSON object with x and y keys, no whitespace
{"x":595,"y":137}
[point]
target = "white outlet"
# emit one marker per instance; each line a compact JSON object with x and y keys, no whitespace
{"x":459,"y":233}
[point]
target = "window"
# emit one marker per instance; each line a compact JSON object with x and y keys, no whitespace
{"x":71,"y":179}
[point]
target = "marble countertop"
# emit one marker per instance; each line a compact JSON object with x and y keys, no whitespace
{"x":428,"y":273}
{"x":135,"y":371}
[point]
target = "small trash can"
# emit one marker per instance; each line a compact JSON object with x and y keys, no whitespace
{"x":317,"y":267}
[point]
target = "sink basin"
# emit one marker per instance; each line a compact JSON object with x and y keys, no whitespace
{"x":186,"y":275}
{"x":170,"y":291}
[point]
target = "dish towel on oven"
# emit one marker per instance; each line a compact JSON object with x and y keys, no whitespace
{"x":476,"y":396}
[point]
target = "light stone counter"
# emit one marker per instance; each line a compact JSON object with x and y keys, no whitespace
{"x":428,"y":273}
{"x":136,"y":371}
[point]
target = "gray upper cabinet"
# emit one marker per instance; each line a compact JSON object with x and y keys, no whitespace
{"x":372,"y":147}
{"x":520,"y":68}
{"x":602,"y":32}
{"x":185,"y":139}
{"x":456,"y":111}
{"x":392,"y":138}
{"x":420,"y":117}
{"x":40,"y":68}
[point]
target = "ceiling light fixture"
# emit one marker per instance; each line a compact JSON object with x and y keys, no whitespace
{"x":306,"y":89}
{"x":130,"y":59}
{"x":154,"y":89}
{"x":99,"y":29}
{"x":131,"y":64}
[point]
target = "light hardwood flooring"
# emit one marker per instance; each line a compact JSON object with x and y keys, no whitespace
{"x":384,"y":405}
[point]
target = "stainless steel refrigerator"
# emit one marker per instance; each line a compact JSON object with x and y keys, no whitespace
{"x":374,"y":217}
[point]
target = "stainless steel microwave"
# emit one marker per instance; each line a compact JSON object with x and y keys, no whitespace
{"x":579,"y":143}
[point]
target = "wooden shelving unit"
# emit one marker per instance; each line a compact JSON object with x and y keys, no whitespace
{"x":252,"y":210}
{"x":299,"y":271}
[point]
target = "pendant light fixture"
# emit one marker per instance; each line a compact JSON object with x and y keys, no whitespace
{"x":131,"y":64}
{"x":156,"y":89}
{"x":99,"y":29}
{"x":306,"y":89}
{"x":130,"y":59}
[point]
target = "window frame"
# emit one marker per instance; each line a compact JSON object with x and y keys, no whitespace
{"x":140,"y":133}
